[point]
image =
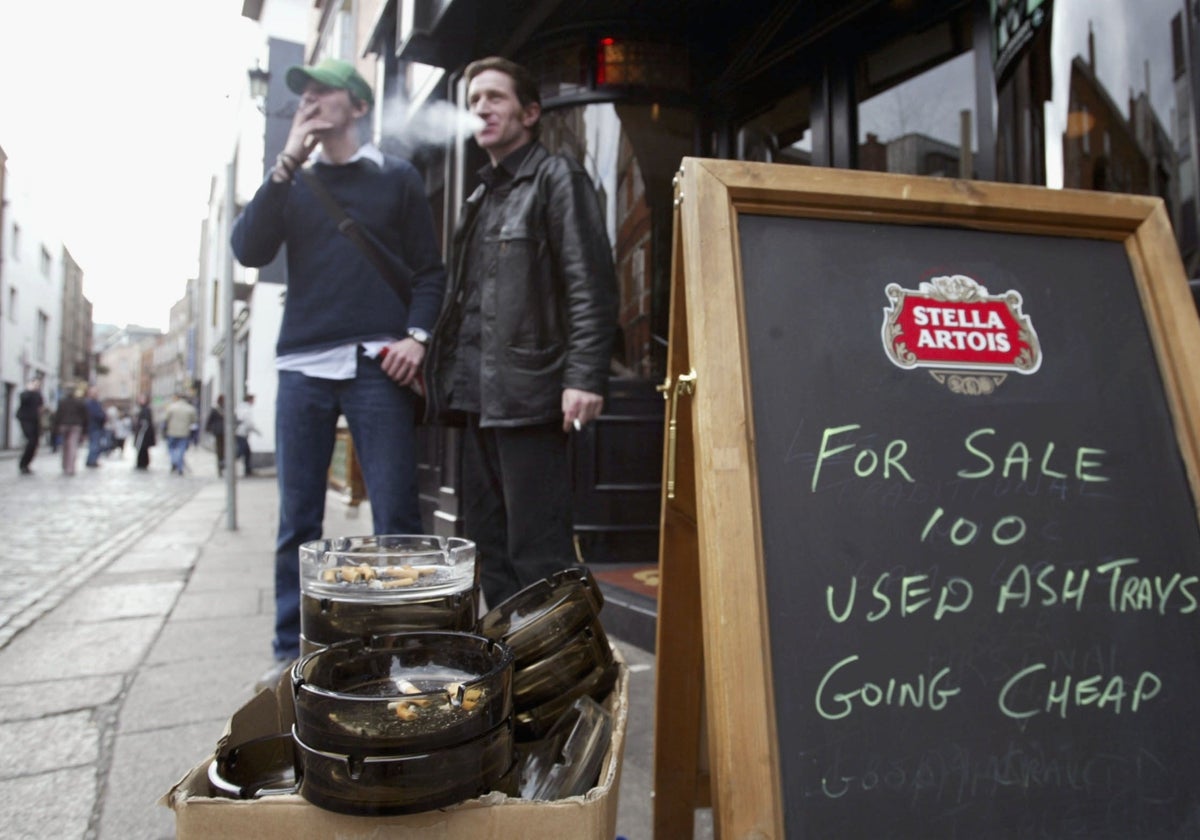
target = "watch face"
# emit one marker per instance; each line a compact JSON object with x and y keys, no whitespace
{"x":419,"y":335}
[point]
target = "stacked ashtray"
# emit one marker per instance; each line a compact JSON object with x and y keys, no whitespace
{"x":560,"y":650}
{"x":405,"y":723}
{"x":358,"y":587}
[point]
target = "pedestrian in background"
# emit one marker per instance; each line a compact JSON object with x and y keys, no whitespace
{"x":214,"y":424}
{"x":29,"y":415}
{"x":144,"y":437}
{"x":244,"y":428}
{"x":178,"y":420}
{"x":350,"y":342}
{"x":46,"y":424}
{"x":96,"y":418}
{"x":121,"y":431}
{"x":521,"y":352}
{"x":112,"y":417}
{"x":70,"y":421}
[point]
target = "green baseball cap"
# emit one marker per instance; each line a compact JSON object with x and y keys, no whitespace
{"x":332,"y":72}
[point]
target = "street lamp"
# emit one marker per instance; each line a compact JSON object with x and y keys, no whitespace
{"x":260,"y":80}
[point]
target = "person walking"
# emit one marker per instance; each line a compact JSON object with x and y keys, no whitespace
{"x":29,"y":415}
{"x":112,"y":420}
{"x":214,"y":425}
{"x":96,"y":418}
{"x":521,"y":351}
{"x":144,"y":436}
{"x":352,"y":337}
{"x":123,"y":428}
{"x":243,"y":429}
{"x":177,"y":426}
{"x":70,"y":421}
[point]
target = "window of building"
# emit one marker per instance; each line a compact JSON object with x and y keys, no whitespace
{"x":41,"y":336}
{"x":782,"y":134}
{"x":16,"y":241}
{"x":46,"y":261}
{"x":12,"y":304}
{"x":631,"y":152}
{"x":916,"y":112}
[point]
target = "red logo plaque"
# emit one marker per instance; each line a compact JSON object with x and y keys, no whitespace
{"x":969,"y":340}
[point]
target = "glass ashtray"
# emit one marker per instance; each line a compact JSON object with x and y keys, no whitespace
{"x":410,"y":782}
{"x":558,"y":671}
{"x":405,"y":692}
{"x":532,"y":724}
{"x":567,"y":761}
{"x":325,"y":620}
{"x":540,"y":616}
{"x":260,"y":767}
{"x":387,"y":567}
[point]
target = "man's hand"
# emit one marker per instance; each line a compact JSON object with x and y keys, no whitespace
{"x":401,"y":360}
{"x":583,"y":406}
{"x":302,"y":138}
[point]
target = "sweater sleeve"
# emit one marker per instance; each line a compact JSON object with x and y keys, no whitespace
{"x":259,"y":230}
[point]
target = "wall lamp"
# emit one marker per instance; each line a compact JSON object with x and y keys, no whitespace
{"x":260,"y":84}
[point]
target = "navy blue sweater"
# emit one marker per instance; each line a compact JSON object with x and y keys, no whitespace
{"x":335,"y":295}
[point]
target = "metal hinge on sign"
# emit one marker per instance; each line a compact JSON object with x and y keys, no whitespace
{"x":678,"y":190}
{"x":685,"y":384}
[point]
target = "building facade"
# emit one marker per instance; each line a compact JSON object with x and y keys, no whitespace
{"x":31,"y":284}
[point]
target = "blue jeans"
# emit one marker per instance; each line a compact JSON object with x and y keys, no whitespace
{"x":380,"y":416}
{"x":95,"y":446}
{"x":176,"y":447}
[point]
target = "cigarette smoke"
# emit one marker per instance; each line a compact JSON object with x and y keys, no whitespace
{"x":406,"y":130}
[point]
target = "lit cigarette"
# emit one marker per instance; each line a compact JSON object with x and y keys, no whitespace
{"x":578,"y":425}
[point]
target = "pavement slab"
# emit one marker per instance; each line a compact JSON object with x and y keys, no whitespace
{"x":55,"y":697}
{"x":48,"y":651}
{"x":58,"y":804}
{"x":141,"y":772}
{"x":37,"y":746}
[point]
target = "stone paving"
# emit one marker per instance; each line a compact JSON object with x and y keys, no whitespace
{"x":59,"y":529}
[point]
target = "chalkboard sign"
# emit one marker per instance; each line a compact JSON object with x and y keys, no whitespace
{"x":949,"y":551}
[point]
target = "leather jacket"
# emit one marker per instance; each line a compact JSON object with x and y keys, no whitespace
{"x":548,"y":309}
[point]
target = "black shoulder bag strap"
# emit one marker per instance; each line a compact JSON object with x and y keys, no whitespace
{"x":347,"y":226}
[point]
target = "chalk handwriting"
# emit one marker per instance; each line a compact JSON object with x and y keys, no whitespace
{"x":954,"y":596}
{"x":1068,"y":692}
{"x":923,"y":691}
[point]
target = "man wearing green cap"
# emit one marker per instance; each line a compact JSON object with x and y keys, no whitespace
{"x":352,"y":340}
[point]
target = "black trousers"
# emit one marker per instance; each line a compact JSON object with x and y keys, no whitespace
{"x":517,"y":504}
{"x":29,"y":428}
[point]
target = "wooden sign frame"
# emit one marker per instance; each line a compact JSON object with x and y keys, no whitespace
{"x":707,"y":584}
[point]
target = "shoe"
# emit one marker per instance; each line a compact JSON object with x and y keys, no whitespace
{"x":26,"y":471}
{"x":270,"y":677}
{"x":91,"y":465}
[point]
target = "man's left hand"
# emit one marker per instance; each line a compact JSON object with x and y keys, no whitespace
{"x":402,"y":361}
{"x":583,"y":406}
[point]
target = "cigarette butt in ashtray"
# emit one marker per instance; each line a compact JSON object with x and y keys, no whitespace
{"x":578,"y":425}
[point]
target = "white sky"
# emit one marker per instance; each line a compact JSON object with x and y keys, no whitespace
{"x":116,"y":116}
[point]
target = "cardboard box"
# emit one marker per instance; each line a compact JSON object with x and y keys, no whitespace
{"x":198,"y":814}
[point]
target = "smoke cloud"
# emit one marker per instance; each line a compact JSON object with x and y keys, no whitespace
{"x":406,"y":130}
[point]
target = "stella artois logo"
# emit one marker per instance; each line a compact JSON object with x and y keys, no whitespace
{"x":969,"y":340}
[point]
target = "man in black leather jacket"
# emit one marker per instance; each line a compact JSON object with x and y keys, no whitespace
{"x":521,"y":351}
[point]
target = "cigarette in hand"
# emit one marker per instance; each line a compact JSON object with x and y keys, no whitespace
{"x":578,"y":425}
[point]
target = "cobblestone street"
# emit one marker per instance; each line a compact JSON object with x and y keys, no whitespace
{"x":60,"y":529}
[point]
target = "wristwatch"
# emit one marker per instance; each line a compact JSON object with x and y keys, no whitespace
{"x":418,"y":335}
